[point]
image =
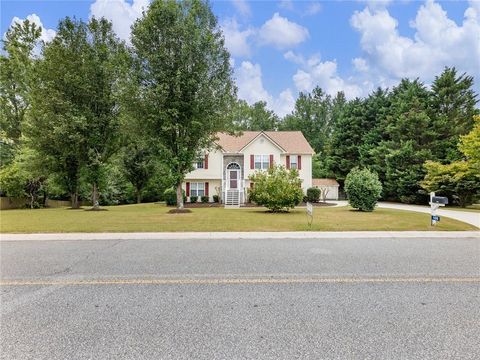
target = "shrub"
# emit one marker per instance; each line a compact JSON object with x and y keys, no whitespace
{"x":205,"y":199}
{"x":363,"y":189}
{"x":459,"y":180}
{"x":277,"y":189}
{"x":193,"y":199}
{"x":216,"y":198}
{"x":170,"y":196}
{"x":313,"y":194}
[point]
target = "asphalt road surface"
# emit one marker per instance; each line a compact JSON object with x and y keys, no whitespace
{"x":389,"y":298}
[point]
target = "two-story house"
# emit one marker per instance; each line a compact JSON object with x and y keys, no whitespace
{"x":225,"y":171}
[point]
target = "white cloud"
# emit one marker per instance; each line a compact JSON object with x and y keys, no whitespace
{"x":438,"y":42}
{"x":242,"y":7}
{"x":313,"y":8}
{"x":377,"y":4}
{"x":47,"y":35}
{"x":295,"y":58}
{"x":121,"y":13}
{"x":284,"y":104}
{"x":282,"y":33}
{"x":236,"y":40}
{"x":250,"y":89}
{"x":286,"y":4}
{"x":313,"y":72}
{"x":360,"y":64}
{"x":249,"y":82}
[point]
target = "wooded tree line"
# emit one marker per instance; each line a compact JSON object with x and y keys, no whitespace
{"x":87,"y":116}
{"x":396,"y":132}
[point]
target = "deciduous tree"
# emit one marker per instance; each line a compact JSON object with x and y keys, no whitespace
{"x":183,"y":88}
{"x":74,"y":117}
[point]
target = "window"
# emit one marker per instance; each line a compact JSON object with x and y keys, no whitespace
{"x":262,"y":162}
{"x":200,"y":164}
{"x":197,"y":189}
{"x":293,"y":161}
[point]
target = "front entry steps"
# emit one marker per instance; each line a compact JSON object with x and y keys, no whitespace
{"x":232,"y":198}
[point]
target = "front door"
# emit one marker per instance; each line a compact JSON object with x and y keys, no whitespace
{"x":233,"y":175}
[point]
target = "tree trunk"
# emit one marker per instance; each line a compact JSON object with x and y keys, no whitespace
{"x":95,"y":204}
{"x":179,"y":195}
{"x":45,"y":199}
{"x":139,"y":196}
{"x":74,"y":200}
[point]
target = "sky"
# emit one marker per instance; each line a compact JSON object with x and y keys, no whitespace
{"x":280,"y":48}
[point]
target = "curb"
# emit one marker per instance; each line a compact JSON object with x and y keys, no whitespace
{"x":239,"y":235}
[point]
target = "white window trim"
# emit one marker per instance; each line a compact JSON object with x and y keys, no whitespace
{"x":196,"y":187}
{"x":195,"y":164}
{"x":264,"y":162}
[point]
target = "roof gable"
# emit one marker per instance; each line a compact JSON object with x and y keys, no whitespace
{"x":292,"y":142}
{"x":259,"y":135}
{"x":325,"y":182}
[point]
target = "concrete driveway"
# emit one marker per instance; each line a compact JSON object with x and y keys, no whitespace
{"x":468,"y":217}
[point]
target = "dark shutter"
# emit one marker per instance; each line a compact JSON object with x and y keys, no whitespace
{"x":299,"y":164}
{"x":271,"y":160}
{"x":206,"y":189}
{"x":187,"y":190}
{"x":206,"y":161}
{"x":252,"y":161}
{"x":287,"y":162}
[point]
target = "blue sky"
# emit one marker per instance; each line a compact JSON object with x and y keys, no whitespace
{"x":282,"y":47}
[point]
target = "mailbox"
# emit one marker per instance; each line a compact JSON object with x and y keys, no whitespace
{"x":439,"y":200}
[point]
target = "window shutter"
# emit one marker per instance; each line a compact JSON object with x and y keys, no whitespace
{"x":299,"y":164}
{"x":187,"y":190}
{"x":252,"y":161}
{"x":287,"y":162}
{"x":206,"y":161}
{"x":206,"y":189}
{"x":271,"y":160}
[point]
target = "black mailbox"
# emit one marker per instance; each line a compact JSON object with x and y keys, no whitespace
{"x":440,"y":200}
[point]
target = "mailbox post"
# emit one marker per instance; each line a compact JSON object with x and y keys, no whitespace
{"x":435,"y":203}
{"x":310,"y":213}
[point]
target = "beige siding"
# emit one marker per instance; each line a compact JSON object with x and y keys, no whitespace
{"x":260,"y":146}
{"x":214,"y":170}
{"x":213,"y":184}
{"x":305,"y":172}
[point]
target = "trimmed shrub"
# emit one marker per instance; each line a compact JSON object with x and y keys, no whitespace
{"x":363,"y":189}
{"x":216,"y":198}
{"x":205,"y":199}
{"x":193,"y":199}
{"x":170,"y":196}
{"x":278,"y":189}
{"x":313,"y":194}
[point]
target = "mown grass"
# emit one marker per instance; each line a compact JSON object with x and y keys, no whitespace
{"x":154,"y":217}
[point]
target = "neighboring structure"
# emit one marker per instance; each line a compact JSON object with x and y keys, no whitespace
{"x":225,"y":171}
{"x":328,"y":186}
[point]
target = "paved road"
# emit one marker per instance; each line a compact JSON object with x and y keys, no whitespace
{"x":470,"y":217}
{"x":376,"y":298}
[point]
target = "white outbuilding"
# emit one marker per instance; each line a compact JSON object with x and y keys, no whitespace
{"x":328,"y":188}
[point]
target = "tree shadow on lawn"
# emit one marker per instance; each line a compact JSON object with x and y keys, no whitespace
{"x":260,"y":210}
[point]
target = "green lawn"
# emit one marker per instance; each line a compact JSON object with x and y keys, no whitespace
{"x":154,"y":217}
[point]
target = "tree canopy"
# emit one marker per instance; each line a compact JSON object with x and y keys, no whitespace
{"x":182,"y":81}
